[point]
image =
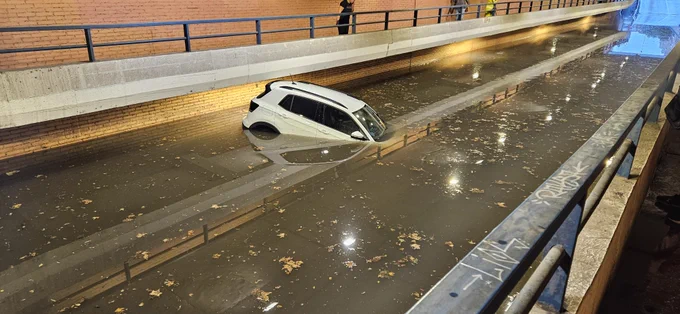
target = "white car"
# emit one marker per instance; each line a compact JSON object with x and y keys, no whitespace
{"x":305,"y":109}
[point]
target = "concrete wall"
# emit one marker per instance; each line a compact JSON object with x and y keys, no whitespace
{"x":36,"y":143}
{"x":44,"y":94}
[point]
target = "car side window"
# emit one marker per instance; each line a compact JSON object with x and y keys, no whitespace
{"x":286,"y":102}
{"x":337,"y":119}
{"x":304,"y":107}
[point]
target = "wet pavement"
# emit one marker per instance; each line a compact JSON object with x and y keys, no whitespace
{"x":374,"y":240}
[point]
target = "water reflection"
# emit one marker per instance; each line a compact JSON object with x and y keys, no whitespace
{"x":291,"y":149}
{"x":653,"y":30}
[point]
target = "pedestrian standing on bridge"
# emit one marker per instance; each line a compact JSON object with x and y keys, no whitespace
{"x":490,"y":8}
{"x":343,"y":21}
{"x":460,"y":10}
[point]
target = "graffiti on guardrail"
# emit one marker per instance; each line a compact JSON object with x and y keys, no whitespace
{"x":496,"y":256}
{"x":608,"y":137}
{"x":559,"y":185}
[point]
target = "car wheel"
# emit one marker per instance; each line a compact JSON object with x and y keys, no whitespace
{"x":263,"y":126}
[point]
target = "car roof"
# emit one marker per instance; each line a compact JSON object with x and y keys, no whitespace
{"x":352,"y":104}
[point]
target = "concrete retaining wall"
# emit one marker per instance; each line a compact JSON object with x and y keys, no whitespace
{"x":37,"y":95}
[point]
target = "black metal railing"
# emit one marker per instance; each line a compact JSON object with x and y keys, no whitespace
{"x":383,"y":17}
{"x":547,"y":223}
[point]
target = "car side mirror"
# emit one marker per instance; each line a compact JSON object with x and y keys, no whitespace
{"x":358,"y":135}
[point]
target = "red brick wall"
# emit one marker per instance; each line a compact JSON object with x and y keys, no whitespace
{"x":78,"y":12}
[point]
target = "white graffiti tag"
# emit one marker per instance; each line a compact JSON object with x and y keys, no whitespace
{"x":559,"y":185}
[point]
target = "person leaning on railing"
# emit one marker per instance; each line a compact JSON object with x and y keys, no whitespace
{"x":459,"y":11}
{"x":343,"y":21}
{"x":490,"y":8}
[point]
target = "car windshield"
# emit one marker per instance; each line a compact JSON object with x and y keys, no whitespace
{"x":370,"y":120}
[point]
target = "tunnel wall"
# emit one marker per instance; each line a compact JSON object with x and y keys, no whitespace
{"x":35,"y":143}
{"x":44,"y":94}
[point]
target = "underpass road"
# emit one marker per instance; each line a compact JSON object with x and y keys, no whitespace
{"x":374,"y":240}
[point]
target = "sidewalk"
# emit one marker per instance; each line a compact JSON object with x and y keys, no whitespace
{"x":646,"y":282}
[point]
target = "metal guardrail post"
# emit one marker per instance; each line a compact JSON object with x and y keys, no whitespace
{"x":415,"y":18}
{"x":520,"y":8}
{"x":90,"y":47}
{"x":187,"y":38}
{"x":671,"y":80}
{"x":605,"y":178}
{"x":531,"y":6}
{"x":387,"y":20}
{"x":311,"y":27}
{"x":439,"y":16}
{"x":205,"y":234}
{"x":479,"y":10}
{"x":507,"y":8}
{"x":633,"y":135}
{"x":550,"y":4}
{"x":526,"y":298}
{"x":354,"y":23}
{"x":128,"y":274}
{"x":258,"y":29}
{"x":540,"y":7}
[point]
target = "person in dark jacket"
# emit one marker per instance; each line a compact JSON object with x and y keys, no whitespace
{"x":343,"y":21}
{"x":459,"y":11}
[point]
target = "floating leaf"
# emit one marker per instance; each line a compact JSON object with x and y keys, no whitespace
{"x":216,"y":255}
{"x":86,"y":201}
{"x":261,"y":295}
{"x":415,"y":246}
{"x":120,"y":310}
{"x":281,"y":235}
{"x":350,"y":264}
{"x":476,"y":190}
{"x":501,"y":204}
{"x":155,"y":293}
{"x":16,"y":206}
{"x":289,"y":264}
{"x":11,"y":173}
{"x":169,"y":283}
{"x":449,"y":244}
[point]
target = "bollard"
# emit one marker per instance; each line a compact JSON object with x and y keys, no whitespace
{"x":205,"y":234}
{"x":128,"y":275}
{"x":507,"y":90}
{"x":427,"y":129}
{"x":379,"y":153}
{"x":405,"y":139}
{"x":493,"y":100}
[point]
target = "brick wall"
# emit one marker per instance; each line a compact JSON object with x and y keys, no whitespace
{"x":25,"y":145}
{"x":78,"y":12}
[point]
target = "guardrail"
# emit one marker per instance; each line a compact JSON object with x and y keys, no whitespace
{"x":550,"y":219}
{"x":383,"y":17}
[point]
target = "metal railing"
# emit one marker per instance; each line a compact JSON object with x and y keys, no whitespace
{"x":550,"y":219}
{"x":375,"y":17}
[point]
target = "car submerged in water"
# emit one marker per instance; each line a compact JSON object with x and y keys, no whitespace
{"x":306,"y":109}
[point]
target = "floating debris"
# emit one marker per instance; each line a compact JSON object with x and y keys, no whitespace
{"x":415,"y":246}
{"x":281,"y":235}
{"x":289,"y":264}
{"x":86,"y":201}
{"x":261,"y":295}
{"x":170,"y":283}
{"x":216,"y":255}
{"x":11,"y":173}
{"x":449,"y":244}
{"x":16,"y":206}
{"x":385,"y":274}
{"x":375,"y":259}
{"x":120,"y":310}
{"x":349,"y":264}
{"x":155,"y":293}
{"x":501,"y":204}
{"x":476,"y":191}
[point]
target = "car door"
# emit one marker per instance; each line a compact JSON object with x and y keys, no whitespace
{"x":336,"y":123}
{"x":301,"y":115}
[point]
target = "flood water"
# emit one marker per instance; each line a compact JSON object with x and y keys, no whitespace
{"x":371,"y":240}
